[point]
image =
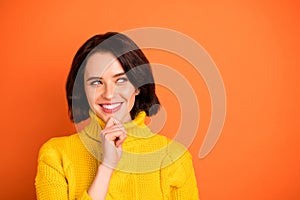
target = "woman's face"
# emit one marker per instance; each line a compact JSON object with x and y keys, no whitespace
{"x":108,"y":90}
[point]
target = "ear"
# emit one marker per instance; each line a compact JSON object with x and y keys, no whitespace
{"x":137,"y":91}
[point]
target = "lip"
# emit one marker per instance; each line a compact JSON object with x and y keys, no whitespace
{"x":111,"y":107}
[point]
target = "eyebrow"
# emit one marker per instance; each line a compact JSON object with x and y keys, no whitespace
{"x":97,"y":78}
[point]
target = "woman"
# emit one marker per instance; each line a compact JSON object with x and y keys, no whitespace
{"x":116,"y":156}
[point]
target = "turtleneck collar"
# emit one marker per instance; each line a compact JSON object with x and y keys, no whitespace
{"x":142,"y":151}
{"x":138,"y":120}
{"x":136,"y":128}
{"x":136,"y":131}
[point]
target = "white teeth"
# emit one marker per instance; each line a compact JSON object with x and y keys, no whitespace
{"x":111,"y":106}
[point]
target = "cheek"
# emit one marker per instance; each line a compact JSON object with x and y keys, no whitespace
{"x":129,"y":95}
{"x":90,"y":94}
{"x":131,"y":101}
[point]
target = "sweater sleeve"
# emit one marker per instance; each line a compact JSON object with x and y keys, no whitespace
{"x":179,"y":177}
{"x":186,"y":188}
{"x":51,"y":182}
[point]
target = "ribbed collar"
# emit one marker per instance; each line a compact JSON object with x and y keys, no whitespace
{"x":141,"y":151}
{"x":136,"y":129}
{"x":138,"y":120}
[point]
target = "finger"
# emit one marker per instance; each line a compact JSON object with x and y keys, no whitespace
{"x":120,"y":140}
{"x":116,"y":138}
{"x":113,"y":129}
{"x":110,"y":122}
{"x":116,"y":122}
{"x":113,"y":136}
{"x":119,"y":150}
{"x":116,"y":132}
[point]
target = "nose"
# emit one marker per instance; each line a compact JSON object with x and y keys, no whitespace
{"x":108,"y":91}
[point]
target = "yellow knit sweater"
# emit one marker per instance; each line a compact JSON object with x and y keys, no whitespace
{"x":151,"y":167}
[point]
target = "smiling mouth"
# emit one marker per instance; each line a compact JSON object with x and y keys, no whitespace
{"x":111,"y":108}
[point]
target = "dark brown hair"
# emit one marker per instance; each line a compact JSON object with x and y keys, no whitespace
{"x":134,"y":63}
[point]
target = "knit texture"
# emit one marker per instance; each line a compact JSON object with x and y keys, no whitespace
{"x":151,"y":167}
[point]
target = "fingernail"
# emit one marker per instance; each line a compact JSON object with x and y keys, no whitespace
{"x":115,"y":121}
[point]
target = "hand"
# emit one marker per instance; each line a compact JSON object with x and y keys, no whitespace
{"x":113,"y":136}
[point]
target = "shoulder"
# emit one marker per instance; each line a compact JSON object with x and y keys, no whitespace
{"x":176,"y":154}
{"x":55,"y":147}
{"x":172,"y":148}
{"x":177,"y":164}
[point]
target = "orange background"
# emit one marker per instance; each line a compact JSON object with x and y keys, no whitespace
{"x":255,"y":45}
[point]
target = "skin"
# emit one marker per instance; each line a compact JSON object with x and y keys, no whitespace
{"x":107,"y":86}
{"x":111,"y":96}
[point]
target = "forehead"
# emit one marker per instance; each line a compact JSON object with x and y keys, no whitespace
{"x":101,"y":63}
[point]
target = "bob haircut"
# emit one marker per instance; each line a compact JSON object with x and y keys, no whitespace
{"x":134,"y":63}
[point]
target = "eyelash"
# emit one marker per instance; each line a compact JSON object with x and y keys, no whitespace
{"x":123,"y":79}
{"x":98,"y":82}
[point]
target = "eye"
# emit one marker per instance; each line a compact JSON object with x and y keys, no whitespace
{"x":97,"y":82}
{"x":122,"y":80}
